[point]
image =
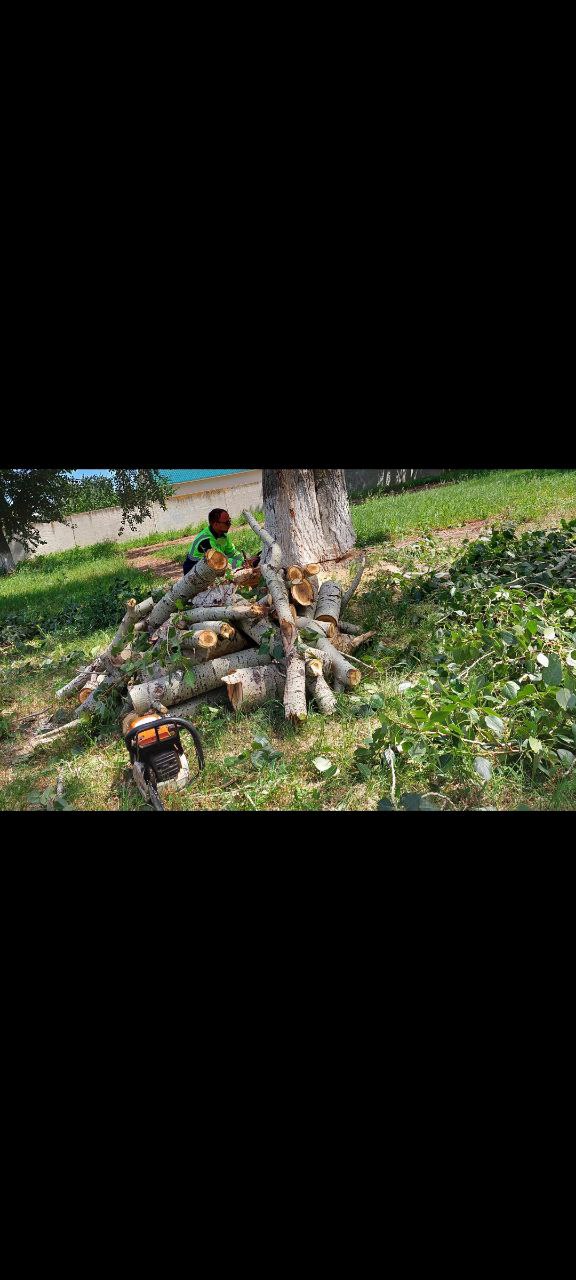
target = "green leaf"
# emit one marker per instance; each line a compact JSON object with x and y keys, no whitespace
{"x":535,"y":745}
{"x":507,"y":638}
{"x":553,"y":672}
{"x":483,"y":767}
{"x":189,"y":679}
{"x":542,"y":659}
{"x":565,"y":699}
{"x":570,"y":660}
{"x":567,"y":757}
{"x":322,"y":764}
{"x":511,"y":689}
{"x":495,"y":724}
{"x":278,"y":652}
{"x":179,"y":604}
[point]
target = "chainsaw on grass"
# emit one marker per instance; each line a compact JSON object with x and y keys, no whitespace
{"x":158,"y":759}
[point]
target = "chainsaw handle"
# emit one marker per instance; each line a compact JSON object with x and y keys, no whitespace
{"x":158,"y":724}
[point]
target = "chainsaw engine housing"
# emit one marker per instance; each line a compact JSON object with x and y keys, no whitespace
{"x":159,"y":762}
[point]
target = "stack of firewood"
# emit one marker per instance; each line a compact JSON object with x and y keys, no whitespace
{"x":205,"y":642}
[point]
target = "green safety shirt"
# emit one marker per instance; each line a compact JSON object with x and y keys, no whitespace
{"x":205,"y":539}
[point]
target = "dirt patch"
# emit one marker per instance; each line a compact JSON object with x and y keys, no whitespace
{"x":473,"y":530}
{"x":147,"y":558}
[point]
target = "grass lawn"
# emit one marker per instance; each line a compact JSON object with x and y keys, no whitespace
{"x":58,"y":611}
{"x":504,"y":495}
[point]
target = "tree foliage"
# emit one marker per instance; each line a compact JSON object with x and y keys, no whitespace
{"x":30,"y":496}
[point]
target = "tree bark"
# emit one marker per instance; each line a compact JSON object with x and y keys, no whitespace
{"x":273,"y":551}
{"x":249,"y":687}
{"x":213,"y":698}
{"x":221,"y":649}
{"x":308,"y":514}
{"x":235,"y":613}
{"x":341,"y":669}
{"x":221,"y":629}
{"x":322,"y":694}
{"x":206,"y":676}
{"x":192,"y":584}
{"x":295,"y":691}
{"x":329,"y":602}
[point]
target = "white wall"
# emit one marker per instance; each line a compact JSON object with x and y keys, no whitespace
{"x":189,"y":505}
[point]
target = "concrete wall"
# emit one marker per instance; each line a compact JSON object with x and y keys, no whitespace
{"x":364,"y":480}
{"x":190,"y":505}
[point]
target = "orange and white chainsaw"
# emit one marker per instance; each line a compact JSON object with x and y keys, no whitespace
{"x":158,"y":759}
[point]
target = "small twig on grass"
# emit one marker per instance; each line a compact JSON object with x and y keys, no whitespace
{"x":439,"y":795}
{"x":390,"y":759}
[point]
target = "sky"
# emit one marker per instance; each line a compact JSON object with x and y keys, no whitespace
{"x":93,"y":472}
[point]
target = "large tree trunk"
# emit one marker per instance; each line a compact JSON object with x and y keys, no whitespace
{"x":307,"y":513}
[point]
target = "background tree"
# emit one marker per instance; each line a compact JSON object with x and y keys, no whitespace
{"x":30,"y":496}
{"x":308,"y":514}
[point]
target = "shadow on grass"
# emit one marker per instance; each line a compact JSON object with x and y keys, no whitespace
{"x":86,"y":605}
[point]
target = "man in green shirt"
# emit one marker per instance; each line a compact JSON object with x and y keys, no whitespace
{"x":215,"y":534}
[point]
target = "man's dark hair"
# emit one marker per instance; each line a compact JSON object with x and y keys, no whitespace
{"x":218,"y":511}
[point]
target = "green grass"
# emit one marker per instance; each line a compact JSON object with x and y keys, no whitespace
{"x":521,"y":495}
{"x":57,"y":611}
{"x":82,"y":589}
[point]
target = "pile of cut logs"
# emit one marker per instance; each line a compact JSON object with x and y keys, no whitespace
{"x":291,"y":643}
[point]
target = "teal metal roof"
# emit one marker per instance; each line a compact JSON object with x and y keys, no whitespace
{"x":178,"y":477}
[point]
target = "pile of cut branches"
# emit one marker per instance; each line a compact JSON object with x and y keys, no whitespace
{"x":204,"y":641}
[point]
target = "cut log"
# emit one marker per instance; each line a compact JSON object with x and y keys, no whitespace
{"x":341,"y":668}
{"x":309,"y":609}
{"x":275,"y":554}
{"x":217,"y":628}
{"x":200,"y":578}
{"x":206,"y":676}
{"x":115,"y":681}
{"x":302,"y":592}
{"x":188,"y":710}
{"x":80,"y":680}
{"x":90,"y":686}
{"x":222,"y":595}
{"x":346,"y":598}
{"x":294,"y":574}
{"x":249,"y":577}
{"x":295,"y":707}
{"x":203,"y":639}
{"x":329,"y":602}
{"x":257,"y":631}
{"x":312,"y":570}
{"x":321,"y":692}
{"x":350,"y":628}
{"x":144,"y":608}
{"x":233,"y":613}
{"x":277,"y":589}
{"x":124,"y":630}
{"x":221,"y":649}
{"x":349,"y":644}
{"x":249,"y":687}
